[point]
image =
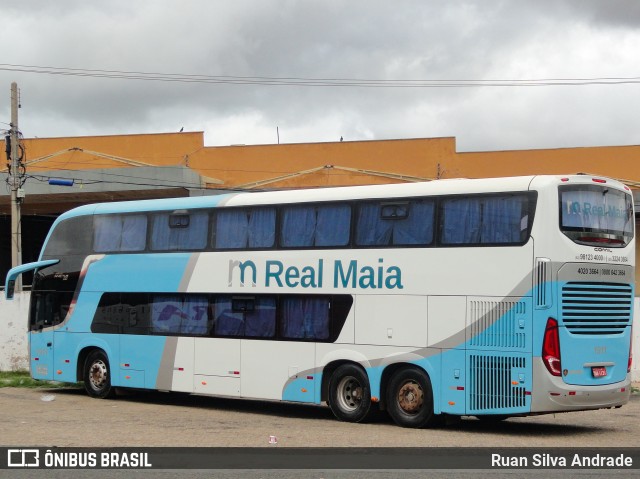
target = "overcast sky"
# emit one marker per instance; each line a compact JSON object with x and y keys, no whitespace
{"x":361,"y":40}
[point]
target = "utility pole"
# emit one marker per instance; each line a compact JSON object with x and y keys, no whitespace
{"x":15,"y":184}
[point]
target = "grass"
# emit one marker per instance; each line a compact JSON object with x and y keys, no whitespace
{"x":22,"y":379}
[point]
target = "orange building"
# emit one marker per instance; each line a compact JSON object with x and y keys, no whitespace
{"x":109,"y":168}
{"x":318,"y":164}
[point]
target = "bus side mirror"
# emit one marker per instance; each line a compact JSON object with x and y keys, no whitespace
{"x":11,"y":287}
{"x":13,"y":274}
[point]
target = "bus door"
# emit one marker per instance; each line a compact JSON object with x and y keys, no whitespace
{"x":44,"y":315}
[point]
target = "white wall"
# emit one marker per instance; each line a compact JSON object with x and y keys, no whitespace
{"x":13,"y":335}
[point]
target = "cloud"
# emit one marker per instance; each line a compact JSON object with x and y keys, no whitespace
{"x":360,"y":40}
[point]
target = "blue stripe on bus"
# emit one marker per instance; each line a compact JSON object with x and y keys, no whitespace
{"x":159,"y":273}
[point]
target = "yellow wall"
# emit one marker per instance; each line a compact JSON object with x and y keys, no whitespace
{"x":614,"y":161}
{"x":156,"y":149}
{"x":239,"y":165}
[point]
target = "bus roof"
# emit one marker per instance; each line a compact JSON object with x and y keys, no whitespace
{"x":246,"y":198}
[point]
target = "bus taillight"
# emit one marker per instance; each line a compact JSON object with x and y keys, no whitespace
{"x":551,"y":348}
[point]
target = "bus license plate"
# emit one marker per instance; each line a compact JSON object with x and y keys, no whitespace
{"x":599,"y":371}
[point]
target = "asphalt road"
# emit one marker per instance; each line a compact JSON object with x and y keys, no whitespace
{"x":69,"y":418}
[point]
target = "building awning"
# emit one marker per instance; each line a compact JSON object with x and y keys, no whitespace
{"x":100,"y":185}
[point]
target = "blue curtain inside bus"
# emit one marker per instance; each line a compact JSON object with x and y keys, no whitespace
{"x":305,"y":318}
{"x":193,"y":236}
{"x":119,"y":233}
{"x":258,"y":322}
{"x":484,"y":220}
{"x":414,"y":227}
{"x":501,"y":220}
{"x":316,"y":226}
{"x":237,"y":229}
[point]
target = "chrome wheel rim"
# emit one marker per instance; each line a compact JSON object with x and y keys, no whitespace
{"x":98,"y":375}
{"x":350,"y":394}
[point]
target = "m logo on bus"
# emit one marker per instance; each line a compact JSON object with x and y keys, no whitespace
{"x":242,"y":267}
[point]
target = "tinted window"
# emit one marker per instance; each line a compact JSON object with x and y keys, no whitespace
{"x":500,"y":219}
{"x":595,"y":214}
{"x":49,"y":309}
{"x":245,"y":316}
{"x":179,"y":232}
{"x":70,"y":237}
{"x":305,"y":317}
{"x":244,"y":228}
{"x":288,"y":317}
{"x":316,"y":226}
{"x":125,"y":233}
{"x":179,"y":314}
{"x":400,"y":223}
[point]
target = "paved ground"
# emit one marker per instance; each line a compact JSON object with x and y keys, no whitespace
{"x":29,"y":417}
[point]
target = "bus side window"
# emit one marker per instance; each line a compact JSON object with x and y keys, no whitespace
{"x":135,"y":318}
{"x":305,"y":317}
{"x":245,"y":228}
{"x":395,"y":223}
{"x":247,"y":316}
{"x":49,"y":309}
{"x":179,"y":231}
{"x":227,"y":321}
{"x":125,"y":233}
{"x":316,"y":226}
{"x":485,"y":220}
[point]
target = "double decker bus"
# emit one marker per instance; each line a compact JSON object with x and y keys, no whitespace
{"x":488,"y":297}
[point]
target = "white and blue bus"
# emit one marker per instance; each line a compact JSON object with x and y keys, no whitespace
{"x":488,"y":297}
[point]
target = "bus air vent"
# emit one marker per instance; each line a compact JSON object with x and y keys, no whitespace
{"x":543,"y":283}
{"x":490,"y":383}
{"x":596,"y":308}
{"x":497,"y":324}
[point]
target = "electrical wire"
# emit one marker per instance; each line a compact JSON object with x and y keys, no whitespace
{"x":89,"y":181}
{"x":314,"y":82}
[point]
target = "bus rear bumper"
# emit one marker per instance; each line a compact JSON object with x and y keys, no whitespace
{"x":551,"y":394}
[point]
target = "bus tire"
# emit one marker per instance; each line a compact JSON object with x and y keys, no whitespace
{"x":349,"y":393}
{"x":97,"y":375}
{"x":410,"y":398}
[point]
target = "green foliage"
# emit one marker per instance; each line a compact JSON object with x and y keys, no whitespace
{"x":22,"y":379}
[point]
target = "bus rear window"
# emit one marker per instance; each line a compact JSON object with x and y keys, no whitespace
{"x":596,"y":215}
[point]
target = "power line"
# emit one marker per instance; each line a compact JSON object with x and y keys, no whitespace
{"x":315,"y":82}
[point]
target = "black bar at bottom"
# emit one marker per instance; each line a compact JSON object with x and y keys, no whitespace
{"x":331,"y":458}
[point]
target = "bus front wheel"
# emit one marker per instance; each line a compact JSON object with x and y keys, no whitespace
{"x":410,"y":398}
{"x":97,"y":376}
{"x":349,"y":393}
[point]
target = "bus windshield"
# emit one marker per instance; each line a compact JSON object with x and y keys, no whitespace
{"x":594,"y":214}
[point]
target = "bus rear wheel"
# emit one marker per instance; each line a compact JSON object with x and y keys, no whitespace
{"x":410,"y":398}
{"x":97,"y":376}
{"x":349,"y":393}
